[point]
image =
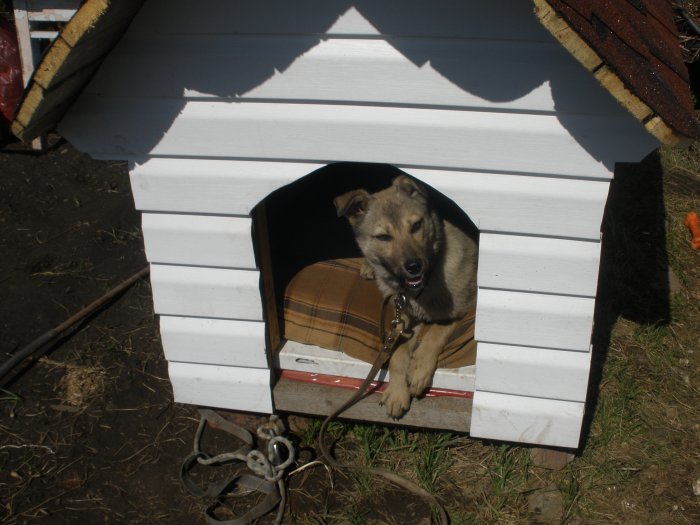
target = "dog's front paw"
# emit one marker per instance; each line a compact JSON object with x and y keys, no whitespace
{"x":420,"y":376}
{"x":367,"y":272}
{"x":396,"y":400}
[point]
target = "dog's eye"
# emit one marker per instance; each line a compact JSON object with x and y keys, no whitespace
{"x":417,"y":226}
{"x":384,"y":237}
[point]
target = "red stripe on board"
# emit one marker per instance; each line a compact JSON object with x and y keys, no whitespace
{"x":351,"y":383}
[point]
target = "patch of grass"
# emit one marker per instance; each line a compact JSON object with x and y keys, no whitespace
{"x":433,"y":459}
{"x":507,"y":473}
{"x":6,"y":395}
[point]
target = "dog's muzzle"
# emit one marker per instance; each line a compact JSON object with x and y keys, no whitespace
{"x":415,"y":274}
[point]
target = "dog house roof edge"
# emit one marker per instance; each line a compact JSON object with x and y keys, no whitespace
{"x":654,"y":87}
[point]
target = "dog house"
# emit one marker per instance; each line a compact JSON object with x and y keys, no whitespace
{"x":221,"y":106}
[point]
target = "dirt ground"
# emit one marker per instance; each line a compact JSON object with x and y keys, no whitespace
{"x":90,"y":432}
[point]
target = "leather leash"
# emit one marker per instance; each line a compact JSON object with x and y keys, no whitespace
{"x":268,"y":471}
{"x":390,"y":340}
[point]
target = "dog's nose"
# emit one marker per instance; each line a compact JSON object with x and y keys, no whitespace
{"x":413,"y":267}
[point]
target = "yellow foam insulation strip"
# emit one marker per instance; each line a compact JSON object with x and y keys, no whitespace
{"x":70,"y":62}
{"x":575,"y":45}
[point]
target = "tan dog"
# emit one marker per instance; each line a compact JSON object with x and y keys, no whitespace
{"x":410,"y":249}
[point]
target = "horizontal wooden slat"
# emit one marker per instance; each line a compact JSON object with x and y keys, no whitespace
{"x":532,"y":319}
{"x":511,"y":19}
{"x":214,"y":341}
{"x":210,"y":185}
{"x":495,"y":202}
{"x":419,"y":71}
{"x":445,"y":412}
{"x":536,"y":372}
{"x":206,"y":292}
{"x":221,"y":386}
{"x":524,"y":204}
{"x":313,"y":359}
{"x":122,"y":128}
{"x":526,"y":419}
{"x":538,"y":264}
{"x":202,"y":240}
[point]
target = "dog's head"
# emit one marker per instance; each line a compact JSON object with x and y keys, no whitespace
{"x":396,"y":230}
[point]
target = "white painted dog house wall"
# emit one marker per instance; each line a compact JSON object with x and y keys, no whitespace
{"x":216,"y":104}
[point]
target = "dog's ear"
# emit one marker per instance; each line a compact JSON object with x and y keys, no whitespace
{"x":352,"y":205}
{"x":409,"y":186}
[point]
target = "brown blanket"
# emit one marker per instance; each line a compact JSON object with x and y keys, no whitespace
{"x":328,"y":304}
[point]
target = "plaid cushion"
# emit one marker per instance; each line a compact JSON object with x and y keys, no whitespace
{"x":328,"y":304}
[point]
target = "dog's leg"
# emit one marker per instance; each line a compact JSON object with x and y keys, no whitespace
{"x":424,"y":358}
{"x":396,"y":398}
{"x":366,"y":271}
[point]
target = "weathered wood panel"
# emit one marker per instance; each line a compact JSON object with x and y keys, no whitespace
{"x":313,"y":359}
{"x":125,"y":128}
{"x":496,"y":75}
{"x":447,"y":413}
{"x":201,"y":240}
{"x":72,"y":58}
{"x":534,"y":319}
{"x":536,"y":372}
{"x":221,"y":386}
{"x":206,"y":292}
{"x":526,"y":419}
{"x":538,"y":264}
{"x":214,"y":341}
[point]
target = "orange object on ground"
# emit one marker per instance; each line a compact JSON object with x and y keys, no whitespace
{"x":693,"y":223}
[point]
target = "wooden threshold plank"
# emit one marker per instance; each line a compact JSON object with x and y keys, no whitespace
{"x":444,"y":413}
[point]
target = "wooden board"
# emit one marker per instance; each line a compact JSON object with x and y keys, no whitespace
{"x":534,"y":319}
{"x":467,"y":74}
{"x":494,"y":201}
{"x":125,"y":128}
{"x":77,"y":51}
{"x":538,"y":264}
{"x":316,"y":360}
{"x":214,"y":341}
{"x":202,"y":240}
{"x":221,"y":386}
{"x":446,"y":413}
{"x":510,"y":19}
{"x":535,"y":372}
{"x":523,"y":419}
{"x":206,"y":292}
